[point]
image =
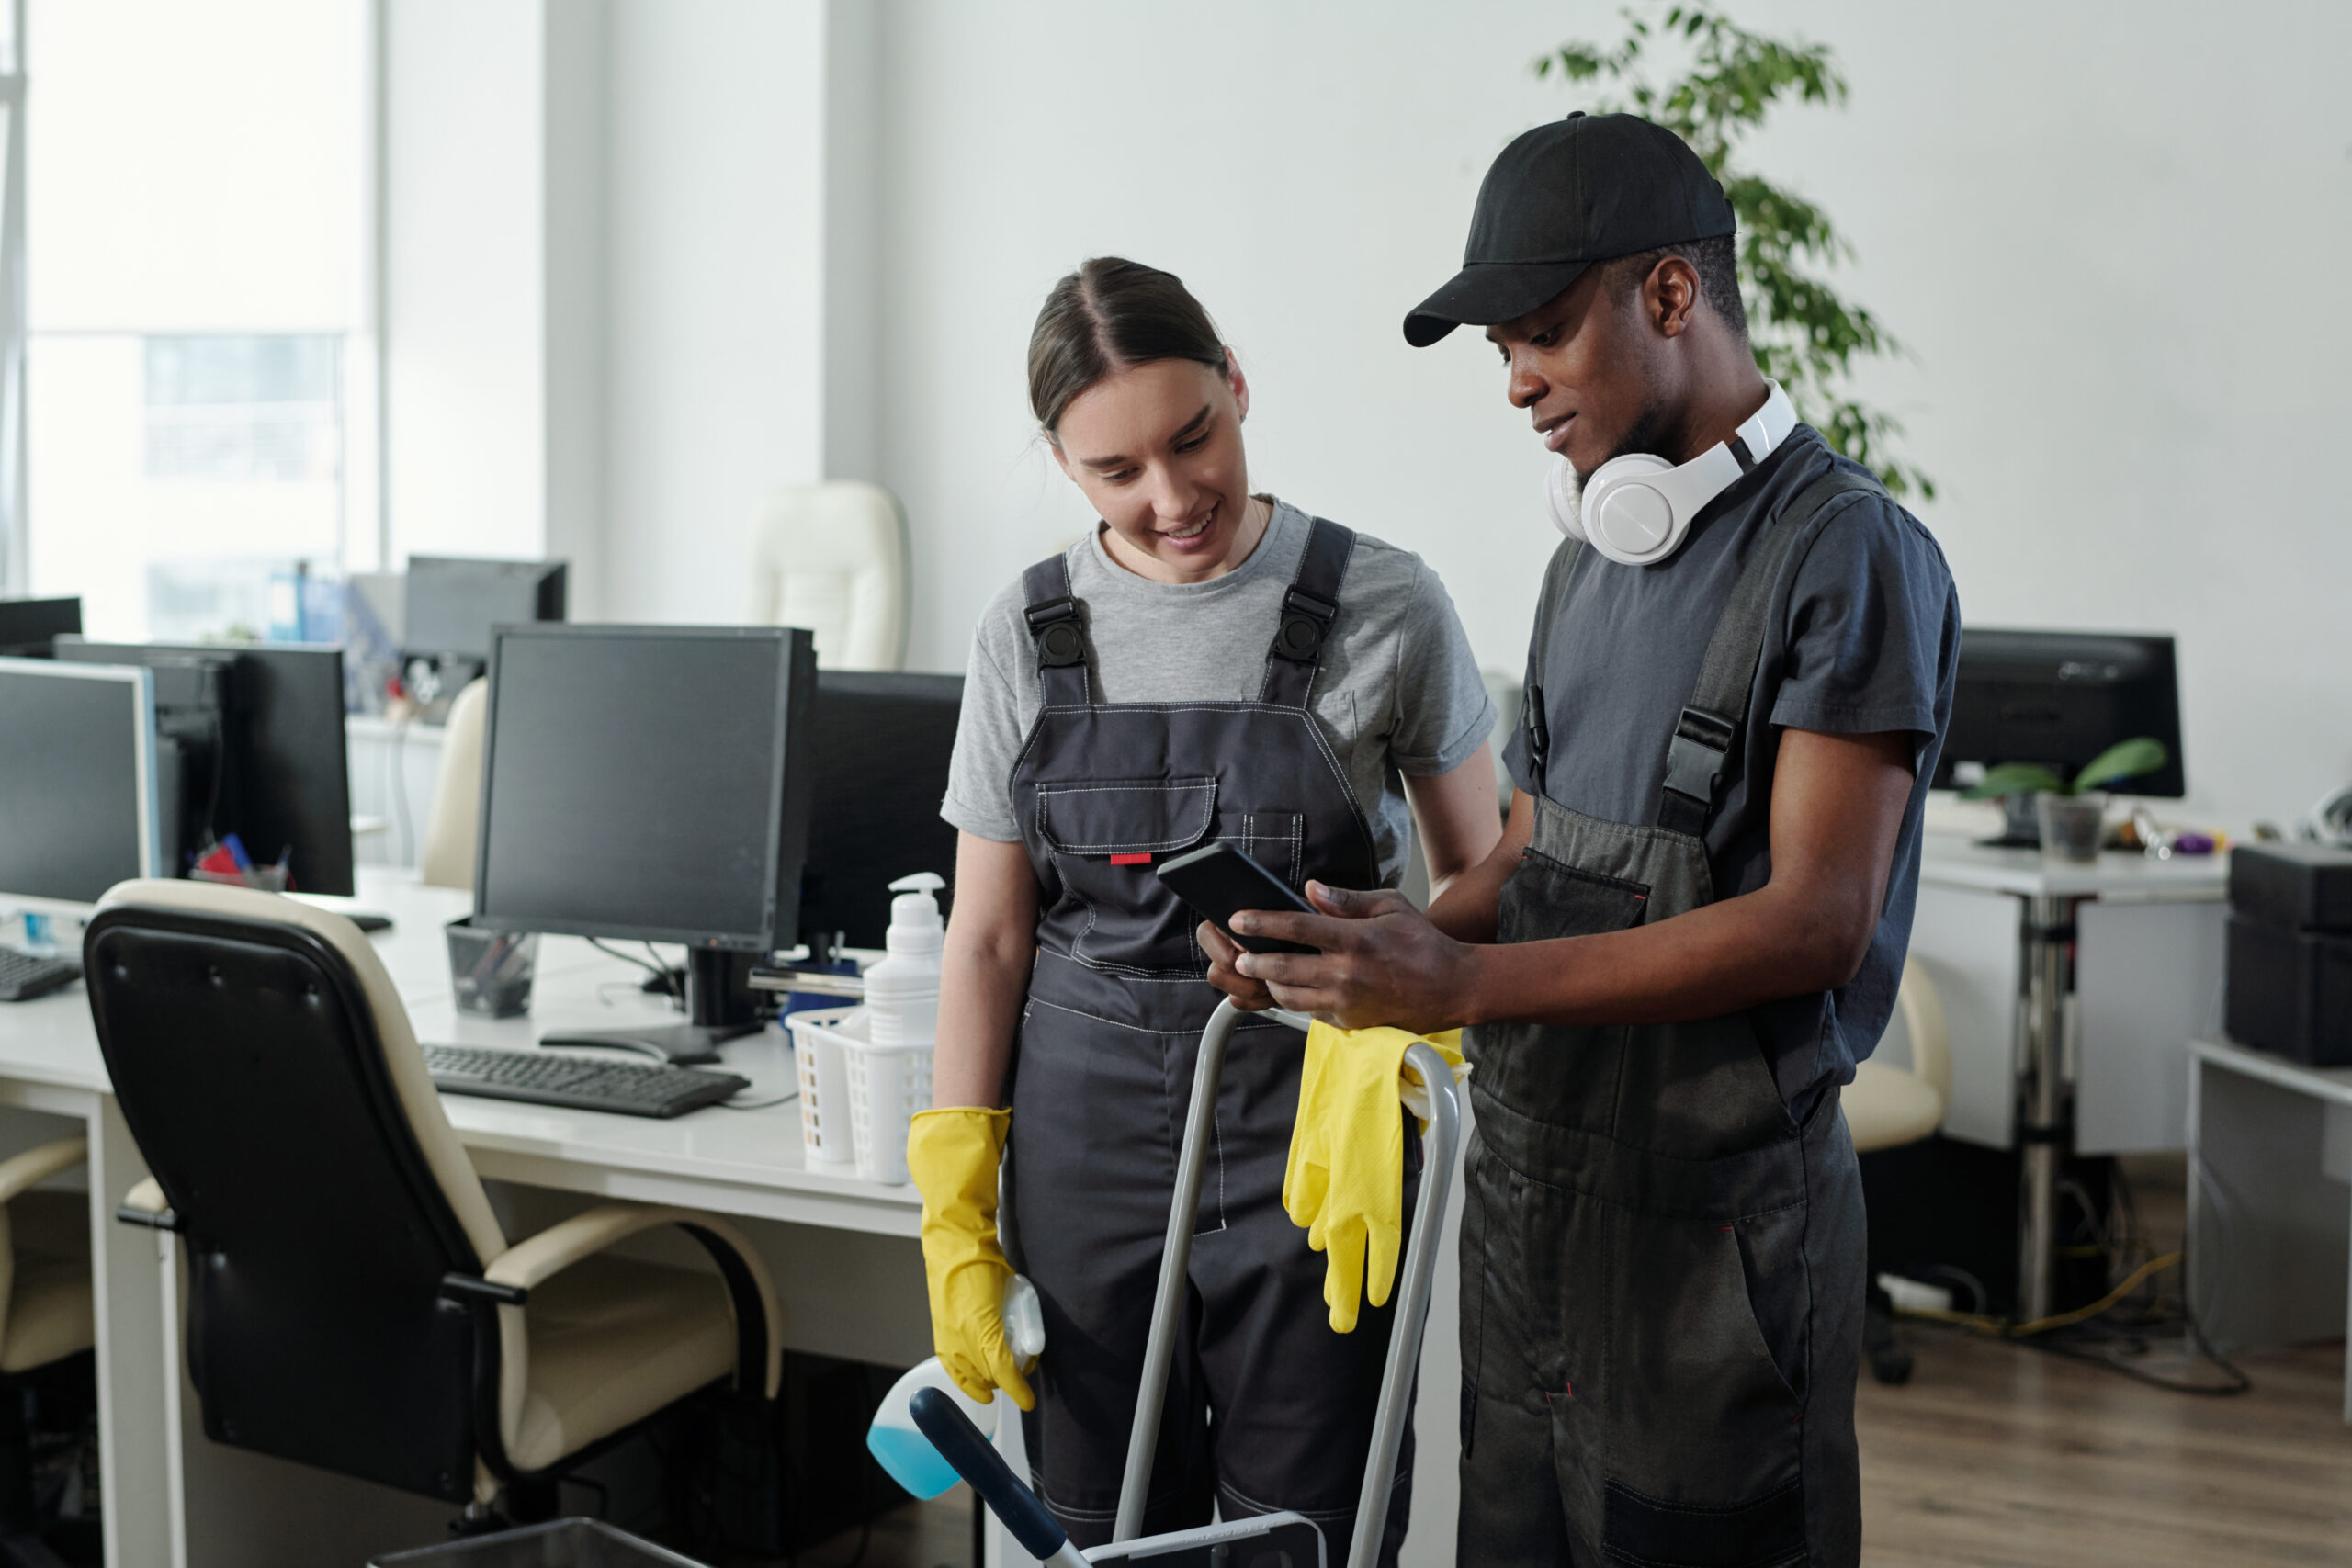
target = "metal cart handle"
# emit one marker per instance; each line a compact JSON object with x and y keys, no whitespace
{"x":1439,"y":1145}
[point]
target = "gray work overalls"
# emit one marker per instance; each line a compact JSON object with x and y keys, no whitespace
{"x":1662,"y":1268}
{"x":1267,"y":1407}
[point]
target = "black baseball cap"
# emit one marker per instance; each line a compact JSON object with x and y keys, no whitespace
{"x":1562,"y":197}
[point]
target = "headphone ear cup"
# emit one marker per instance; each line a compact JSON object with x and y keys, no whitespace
{"x":1626,"y":519}
{"x":1560,"y":495}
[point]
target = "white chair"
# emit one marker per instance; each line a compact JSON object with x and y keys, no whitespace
{"x":1886,"y":1107}
{"x":832,"y":558}
{"x":450,"y":828}
{"x":45,"y":1296}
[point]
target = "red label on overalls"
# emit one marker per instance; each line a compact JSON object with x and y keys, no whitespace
{"x":1131,"y":860}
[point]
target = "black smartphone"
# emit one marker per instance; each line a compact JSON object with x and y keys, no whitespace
{"x":1220,"y":881}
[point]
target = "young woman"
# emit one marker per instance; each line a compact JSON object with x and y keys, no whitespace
{"x":1206,"y":664}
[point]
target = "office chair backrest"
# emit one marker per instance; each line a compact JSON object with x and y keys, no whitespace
{"x":832,"y":558}
{"x":265,"y":1067}
{"x":452,"y":826}
{"x":1923,"y":1021}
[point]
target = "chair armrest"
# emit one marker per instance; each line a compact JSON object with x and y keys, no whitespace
{"x":537,"y":1259}
{"x":759,"y":1319}
{"x":21,"y":1172}
{"x":144,"y":1205}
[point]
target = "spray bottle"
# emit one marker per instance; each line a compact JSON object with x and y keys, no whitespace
{"x":894,"y":1439}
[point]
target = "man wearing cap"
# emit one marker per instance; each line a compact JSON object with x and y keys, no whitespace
{"x":1741,"y":667}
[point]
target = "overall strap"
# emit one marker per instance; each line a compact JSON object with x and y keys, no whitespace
{"x":1059,"y":632}
{"x":1531,"y":700}
{"x":1709,"y":728}
{"x":1309,"y":607}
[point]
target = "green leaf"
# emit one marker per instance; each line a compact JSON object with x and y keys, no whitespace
{"x":2124,"y":760}
{"x":2015,"y":778}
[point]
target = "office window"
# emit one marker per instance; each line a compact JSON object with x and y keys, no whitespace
{"x":200,"y":380}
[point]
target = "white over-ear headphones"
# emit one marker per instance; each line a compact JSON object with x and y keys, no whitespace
{"x":1637,"y":509}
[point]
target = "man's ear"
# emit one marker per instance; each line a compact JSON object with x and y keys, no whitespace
{"x":1670,"y":296}
{"x":1240,"y":383}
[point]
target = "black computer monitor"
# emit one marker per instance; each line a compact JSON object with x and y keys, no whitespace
{"x":78,"y":781}
{"x":450,"y":603}
{"x":882,"y":743}
{"x":650,"y":782}
{"x":27,"y":626}
{"x":253,"y":744}
{"x":2060,"y":699}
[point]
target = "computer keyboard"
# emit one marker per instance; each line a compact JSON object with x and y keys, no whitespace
{"x":24,"y":976}
{"x":578,"y":1083}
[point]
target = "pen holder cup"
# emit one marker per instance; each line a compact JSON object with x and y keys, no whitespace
{"x":489,"y":972}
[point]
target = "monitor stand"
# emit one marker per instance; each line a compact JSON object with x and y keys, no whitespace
{"x":715,"y":1009}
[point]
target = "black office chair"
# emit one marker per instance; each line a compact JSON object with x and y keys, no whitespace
{"x":353,"y":1301}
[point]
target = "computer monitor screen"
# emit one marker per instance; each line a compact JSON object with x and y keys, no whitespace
{"x":2060,"y":699}
{"x":882,"y":742}
{"x":268,"y":761}
{"x":450,"y":603}
{"x":27,"y":625}
{"x":647,"y":781}
{"x":78,"y":791}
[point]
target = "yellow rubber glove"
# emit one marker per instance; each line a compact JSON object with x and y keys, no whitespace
{"x":1345,"y":1181}
{"x":952,"y":1155}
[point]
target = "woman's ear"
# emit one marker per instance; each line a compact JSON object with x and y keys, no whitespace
{"x":1237,"y":382}
{"x":1053,"y":445}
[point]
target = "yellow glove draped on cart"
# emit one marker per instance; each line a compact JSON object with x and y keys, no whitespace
{"x":952,"y":1155}
{"x":1345,"y":1181}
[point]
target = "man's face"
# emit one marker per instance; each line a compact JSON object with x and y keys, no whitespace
{"x":1588,"y":366}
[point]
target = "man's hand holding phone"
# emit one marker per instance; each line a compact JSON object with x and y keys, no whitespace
{"x":1378,"y":961}
{"x":1353,"y":959}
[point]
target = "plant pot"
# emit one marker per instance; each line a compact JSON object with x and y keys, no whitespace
{"x":2070,"y":825}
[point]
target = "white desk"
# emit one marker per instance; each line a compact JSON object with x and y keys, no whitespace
{"x":2269,"y":1215}
{"x":2067,"y":990}
{"x":850,"y":1279}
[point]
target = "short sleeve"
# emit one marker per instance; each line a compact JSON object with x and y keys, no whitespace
{"x":988,"y":742}
{"x":1873,"y":629}
{"x":1443,"y":715}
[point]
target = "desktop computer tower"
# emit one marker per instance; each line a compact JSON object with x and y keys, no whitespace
{"x":2289,"y":975}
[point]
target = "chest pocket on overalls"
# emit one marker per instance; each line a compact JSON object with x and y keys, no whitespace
{"x":1545,"y":898}
{"x":1105,"y":836}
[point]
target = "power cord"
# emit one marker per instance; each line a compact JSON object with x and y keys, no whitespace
{"x":658,"y":971}
{"x":757,"y":1104}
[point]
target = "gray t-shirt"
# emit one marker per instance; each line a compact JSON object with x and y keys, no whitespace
{"x":1397,"y":693}
{"x":1863,"y":637}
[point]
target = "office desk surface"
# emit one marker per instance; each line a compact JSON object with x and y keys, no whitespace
{"x":1954,"y":860}
{"x":743,"y":1162}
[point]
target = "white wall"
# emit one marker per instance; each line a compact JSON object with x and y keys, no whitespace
{"x":2106,"y":233}
{"x":465,"y":288}
{"x":716,"y":236}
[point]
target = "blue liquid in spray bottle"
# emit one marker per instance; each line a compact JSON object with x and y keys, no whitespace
{"x":899,"y":1446}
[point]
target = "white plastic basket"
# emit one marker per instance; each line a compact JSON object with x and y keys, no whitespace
{"x":856,"y":1097}
{"x":888,"y":1084}
{"x":820,"y":1056}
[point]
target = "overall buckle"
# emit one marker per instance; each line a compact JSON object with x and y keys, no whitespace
{"x":1694,"y":759}
{"x":1306,"y":621}
{"x":1061,"y":642}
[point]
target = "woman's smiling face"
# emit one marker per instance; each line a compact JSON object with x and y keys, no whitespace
{"x":1157,"y":448}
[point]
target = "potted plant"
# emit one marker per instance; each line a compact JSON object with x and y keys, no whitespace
{"x":2068,"y":812}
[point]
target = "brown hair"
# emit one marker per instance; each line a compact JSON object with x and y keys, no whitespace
{"x":1109,"y":315}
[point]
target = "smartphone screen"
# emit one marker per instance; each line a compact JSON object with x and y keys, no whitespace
{"x":1220,"y":881}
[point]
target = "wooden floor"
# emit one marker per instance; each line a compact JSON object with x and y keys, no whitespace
{"x":1995,"y":1455}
